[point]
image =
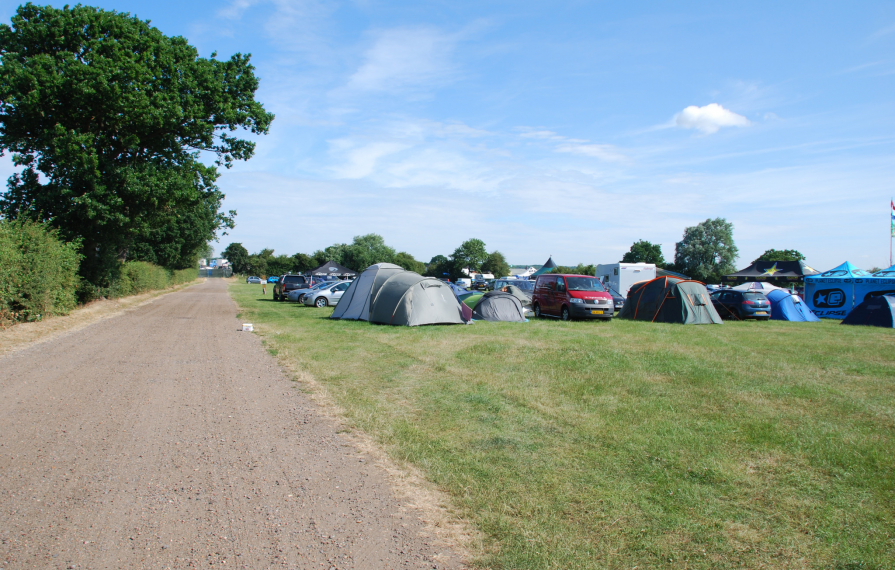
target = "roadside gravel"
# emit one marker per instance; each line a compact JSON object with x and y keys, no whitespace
{"x":165,"y":438}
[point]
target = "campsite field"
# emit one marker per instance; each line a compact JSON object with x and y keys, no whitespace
{"x":623,"y":444}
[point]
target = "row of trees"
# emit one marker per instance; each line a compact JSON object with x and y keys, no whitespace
{"x":364,"y":251}
{"x":706,"y":252}
{"x":109,"y":121}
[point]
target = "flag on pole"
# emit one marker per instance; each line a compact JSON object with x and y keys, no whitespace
{"x":892,"y":203}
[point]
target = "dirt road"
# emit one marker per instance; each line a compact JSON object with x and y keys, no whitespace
{"x":164,"y":438}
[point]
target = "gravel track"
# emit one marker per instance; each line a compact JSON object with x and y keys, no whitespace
{"x":164,"y":438}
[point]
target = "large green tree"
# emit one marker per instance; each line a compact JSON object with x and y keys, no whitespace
{"x":408,"y":262}
{"x":107,"y":117}
{"x":366,"y":250}
{"x":238,"y":256}
{"x":781,"y":255}
{"x":643,"y":251}
{"x":471,"y":254}
{"x":707,"y":250}
{"x":496,"y":264}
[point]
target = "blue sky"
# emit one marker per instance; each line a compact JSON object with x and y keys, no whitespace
{"x":571,"y":129}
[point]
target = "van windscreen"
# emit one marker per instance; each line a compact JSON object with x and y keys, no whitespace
{"x":584,"y":284}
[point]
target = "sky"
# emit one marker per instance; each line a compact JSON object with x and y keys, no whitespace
{"x":570,"y":129}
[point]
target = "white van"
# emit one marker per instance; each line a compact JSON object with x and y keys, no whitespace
{"x":618,"y":277}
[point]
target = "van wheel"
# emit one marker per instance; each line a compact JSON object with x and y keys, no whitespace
{"x":320,"y":302}
{"x":537,"y":311}
{"x":565,"y":314}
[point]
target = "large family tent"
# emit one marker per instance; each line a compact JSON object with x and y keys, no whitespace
{"x":831,"y":294}
{"x":331,"y":269}
{"x":788,"y":307}
{"x":874,"y":312}
{"x":782,"y":270}
{"x":499,"y":306}
{"x":670,"y":300}
{"x":356,"y":301}
{"x":409,"y":299}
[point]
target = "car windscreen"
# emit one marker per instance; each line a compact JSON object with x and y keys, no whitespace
{"x":293,"y":279}
{"x":524,"y":285}
{"x":584,"y":284}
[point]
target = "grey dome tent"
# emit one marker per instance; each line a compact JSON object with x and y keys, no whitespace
{"x":409,"y":299}
{"x":874,"y":312}
{"x":499,"y":306}
{"x":356,"y":301}
{"x":670,"y":300}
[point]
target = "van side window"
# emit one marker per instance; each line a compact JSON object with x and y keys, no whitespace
{"x":560,"y":285}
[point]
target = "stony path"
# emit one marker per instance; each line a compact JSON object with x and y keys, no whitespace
{"x":164,"y":438}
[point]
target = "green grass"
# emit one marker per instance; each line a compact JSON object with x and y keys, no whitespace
{"x":623,"y":444}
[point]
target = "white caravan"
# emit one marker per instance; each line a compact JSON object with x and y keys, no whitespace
{"x":618,"y":277}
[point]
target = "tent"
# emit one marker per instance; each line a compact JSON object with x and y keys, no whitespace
{"x":880,"y":283}
{"x":783,"y":270}
{"x":874,"y":312}
{"x":545,"y":268}
{"x":831,"y":294}
{"x":331,"y":268}
{"x":670,"y":300}
{"x":499,"y":306}
{"x":409,"y":299}
{"x":355,"y":302}
{"x":758,"y":287}
{"x":788,"y":307}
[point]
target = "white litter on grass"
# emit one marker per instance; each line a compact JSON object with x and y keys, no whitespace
{"x":247,"y":327}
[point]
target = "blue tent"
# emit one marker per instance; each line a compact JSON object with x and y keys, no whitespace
{"x":788,"y":307}
{"x":831,"y":294}
{"x":874,"y":312}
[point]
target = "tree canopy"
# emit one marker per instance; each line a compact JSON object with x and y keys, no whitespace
{"x":707,"y":250}
{"x":471,"y":254}
{"x":643,"y":251}
{"x":108,"y":117}
{"x":496,"y":264}
{"x":780,"y":255}
{"x":238,"y":256}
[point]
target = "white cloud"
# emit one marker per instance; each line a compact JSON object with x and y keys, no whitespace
{"x":360,"y":162}
{"x":602,"y":151}
{"x":709,"y":119}
{"x":405,"y":57}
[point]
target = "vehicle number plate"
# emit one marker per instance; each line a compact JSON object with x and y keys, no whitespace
{"x":761,"y":312}
{"x":597,"y":312}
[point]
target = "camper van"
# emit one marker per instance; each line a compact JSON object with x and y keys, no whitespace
{"x":618,"y":277}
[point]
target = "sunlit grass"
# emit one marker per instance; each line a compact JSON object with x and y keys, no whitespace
{"x":622,"y":444}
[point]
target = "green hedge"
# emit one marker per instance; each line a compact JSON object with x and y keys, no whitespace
{"x":38,"y":272}
{"x":141,"y":276}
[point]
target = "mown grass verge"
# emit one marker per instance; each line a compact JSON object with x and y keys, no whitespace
{"x":624,"y":444}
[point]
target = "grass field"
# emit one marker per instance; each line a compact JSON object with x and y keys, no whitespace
{"x":623,"y":444}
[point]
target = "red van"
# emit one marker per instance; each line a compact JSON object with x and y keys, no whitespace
{"x":571,"y":297}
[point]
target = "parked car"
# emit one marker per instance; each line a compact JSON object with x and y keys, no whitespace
{"x":570,"y":297}
{"x":253,"y":279}
{"x":618,"y":301}
{"x":273,"y":279}
{"x":287,"y":283}
{"x":299,"y":294}
{"x":741,"y":304}
{"x":328,"y":295}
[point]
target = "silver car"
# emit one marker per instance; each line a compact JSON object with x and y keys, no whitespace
{"x":256,"y":280}
{"x":328,"y":295}
{"x":299,"y":294}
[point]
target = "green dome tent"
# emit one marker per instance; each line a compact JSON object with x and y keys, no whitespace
{"x":670,"y":300}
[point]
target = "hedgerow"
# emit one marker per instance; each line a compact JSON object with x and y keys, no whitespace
{"x":38,"y":272}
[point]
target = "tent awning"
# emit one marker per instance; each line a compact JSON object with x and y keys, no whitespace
{"x":764,"y":270}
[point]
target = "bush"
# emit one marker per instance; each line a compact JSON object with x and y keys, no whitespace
{"x":38,"y":272}
{"x":138,"y":277}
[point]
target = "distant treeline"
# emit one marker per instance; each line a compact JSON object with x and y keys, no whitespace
{"x":364,"y":251}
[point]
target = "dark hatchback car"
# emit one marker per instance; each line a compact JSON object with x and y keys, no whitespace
{"x":741,"y":304}
{"x":287,"y":283}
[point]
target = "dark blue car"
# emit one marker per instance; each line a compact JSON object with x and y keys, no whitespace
{"x":741,"y":305}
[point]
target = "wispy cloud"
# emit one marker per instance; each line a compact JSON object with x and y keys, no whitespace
{"x":709,"y":119}
{"x":402,"y":58}
{"x":602,"y":151}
